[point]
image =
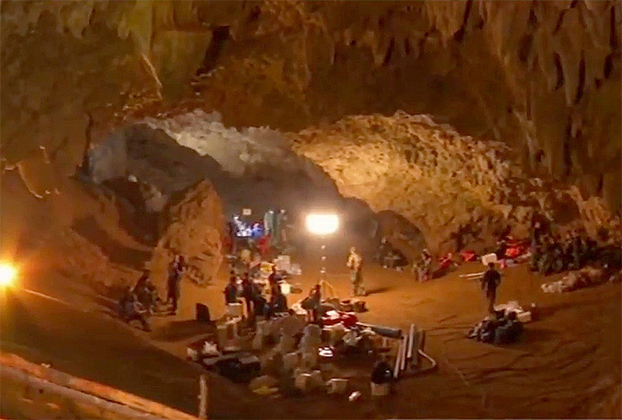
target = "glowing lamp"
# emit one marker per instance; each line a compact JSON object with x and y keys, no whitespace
{"x":8,"y":273}
{"x":322,"y":224}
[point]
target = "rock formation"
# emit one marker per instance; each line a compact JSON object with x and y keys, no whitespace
{"x":541,"y":76}
{"x":440,"y":181}
{"x":193,"y":228}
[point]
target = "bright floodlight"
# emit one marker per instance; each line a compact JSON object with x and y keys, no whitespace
{"x":322,"y":224}
{"x":7,"y":274}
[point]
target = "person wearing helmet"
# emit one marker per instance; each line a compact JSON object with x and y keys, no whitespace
{"x":355,"y":264}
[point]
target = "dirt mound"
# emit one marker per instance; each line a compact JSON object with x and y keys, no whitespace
{"x":194,"y":228}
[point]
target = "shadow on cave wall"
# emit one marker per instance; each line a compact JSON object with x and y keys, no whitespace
{"x":89,"y":229}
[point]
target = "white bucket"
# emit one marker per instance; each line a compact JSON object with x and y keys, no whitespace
{"x":286,"y":288}
{"x":489,"y":258}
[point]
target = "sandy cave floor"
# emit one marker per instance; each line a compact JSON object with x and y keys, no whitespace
{"x":567,"y":365}
{"x":558,"y":369}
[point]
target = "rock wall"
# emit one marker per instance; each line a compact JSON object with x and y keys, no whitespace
{"x":541,"y":76}
{"x":446,"y":184}
{"x":194,"y":227}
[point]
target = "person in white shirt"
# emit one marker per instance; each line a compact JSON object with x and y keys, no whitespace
{"x":355,"y":264}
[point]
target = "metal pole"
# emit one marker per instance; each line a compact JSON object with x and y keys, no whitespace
{"x":203,"y":397}
{"x":323,"y":263}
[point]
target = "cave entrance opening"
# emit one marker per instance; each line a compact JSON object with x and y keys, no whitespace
{"x":151,"y":164}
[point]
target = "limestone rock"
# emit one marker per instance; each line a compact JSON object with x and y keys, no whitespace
{"x":194,"y":228}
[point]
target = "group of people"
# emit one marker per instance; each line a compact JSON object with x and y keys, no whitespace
{"x":389,"y":257}
{"x":252,"y":294}
{"x":269,"y":233}
{"x":139,"y":302}
{"x":554,"y":254}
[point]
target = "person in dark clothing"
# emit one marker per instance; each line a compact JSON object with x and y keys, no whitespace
{"x":577,"y":250}
{"x":536,"y":253}
{"x":274,"y":277}
{"x":174,"y":277}
{"x":502,"y":246}
{"x":146,"y":292}
{"x":312,"y":304}
{"x":129,"y":309}
{"x":248,"y":293}
{"x":278,"y":301}
{"x":142,"y":281}
{"x":382,"y":372}
{"x":231,"y":291}
{"x":490,"y":282}
{"x":557,"y":256}
{"x":568,"y":249}
{"x":546,"y":248}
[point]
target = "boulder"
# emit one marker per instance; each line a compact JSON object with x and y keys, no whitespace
{"x":194,"y":228}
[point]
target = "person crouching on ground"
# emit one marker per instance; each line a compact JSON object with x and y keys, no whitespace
{"x":355,"y":264}
{"x":278,"y":301}
{"x":490,"y":282}
{"x":131,"y":310}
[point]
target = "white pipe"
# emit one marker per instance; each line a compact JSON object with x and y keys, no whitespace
{"x":398,"y":362}
{"x":411,"y":340}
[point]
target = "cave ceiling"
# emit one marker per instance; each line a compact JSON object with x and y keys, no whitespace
{"x":542,"y":76}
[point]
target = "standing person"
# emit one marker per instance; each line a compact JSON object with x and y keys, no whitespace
{"x":232,"y":234}
{"x":248,"y":293}
{"x":490,"y":282}
{"x":174,"y":278}
{"x":355,"y":264}
{"x":231,"y":291}
{"x":312,"y":304}
{"x":282,"y":227}
{"x":274,"y":277}
{"x":246,"y":255}
{"x":426,"y":263}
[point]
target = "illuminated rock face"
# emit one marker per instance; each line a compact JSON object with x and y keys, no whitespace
{"x":440,"y":181}
{"x":193,"y":228}
{"x":542,"y":76}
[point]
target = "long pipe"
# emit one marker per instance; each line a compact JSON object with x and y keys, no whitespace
{"x":384,"y":331}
